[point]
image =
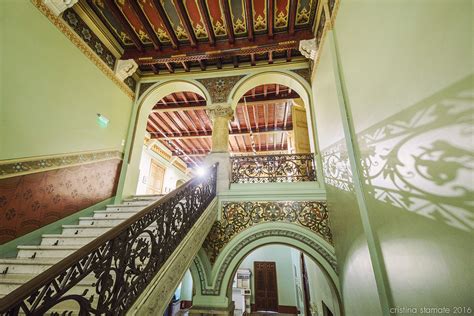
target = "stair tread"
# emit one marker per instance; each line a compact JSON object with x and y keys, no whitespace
{"x":25,"y":261}
{"x":69,"y":236}
{"x":46,"y":247}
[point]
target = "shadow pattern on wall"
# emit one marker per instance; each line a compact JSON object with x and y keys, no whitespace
{"x":238,"y":216}
{"x":31,"y":201}
{"x":420,"y":160}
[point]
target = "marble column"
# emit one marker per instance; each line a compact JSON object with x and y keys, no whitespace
{"x":220,"y":115}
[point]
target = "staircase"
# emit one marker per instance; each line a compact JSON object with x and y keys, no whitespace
{"x":31,"y":260}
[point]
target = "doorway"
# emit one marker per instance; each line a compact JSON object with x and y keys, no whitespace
{"x":155,"y":179}
{"x":266,"y":290}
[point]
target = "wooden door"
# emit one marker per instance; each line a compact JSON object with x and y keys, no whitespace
{"x":266,"y":291}
{"x":155,"y":179}
{"x":300,"y":130}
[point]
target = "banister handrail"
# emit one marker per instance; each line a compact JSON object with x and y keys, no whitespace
{"x":197,"y":192}
{"x":273,"y":168}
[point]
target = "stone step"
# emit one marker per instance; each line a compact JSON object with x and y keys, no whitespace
{"x":66,"y":240}
{"x":25,"y":266}
{"x":46,"y":251}
{"x":122,"y":207}
{"x":85,"y":229}
{"x":115,"y":214}
{"x":92,"y":221}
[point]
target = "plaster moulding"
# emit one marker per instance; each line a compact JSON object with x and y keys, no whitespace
{"x":125,"y":68}
{"x":59,"y":6}
{"x":308,"y":48}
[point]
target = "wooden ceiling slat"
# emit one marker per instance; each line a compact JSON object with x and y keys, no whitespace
{"x":270,"y":57}
{"x":176,"y":119}
{"x":249,"y":19}
{"x":202,"y":64}
{"x":270,"y":14}
{"x":292,"y":17}
{"x":144,"y":21}
{"x":166,"y":22}
{"x":207,"y":21}
{"x":228,"y":21}
{"x":170,"y":67}
{"x":185,"y":66}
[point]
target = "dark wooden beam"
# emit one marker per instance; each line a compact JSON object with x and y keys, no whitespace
{"x":166,"y":22}
{"x":292,"y":17}
{"x":228,"y":20}
{"x":249,"y":18}
{"x":185,"y":66}
{"x":186,"y":22}
{"x":123,"y":21}
{"x":270,"y":17}
{"x":155,"y":69}
{"x":219,"y":63}
{"x":252,"y":59}
{"x":262,"y":44}
{"x":235,"y":61}
{"x":202,"y":64}
{"x":144,"y":21}
{"x":207,"y":21}
{"x":170,"y":67}
{"x":288,"y":55}
{"x":270,"y":57}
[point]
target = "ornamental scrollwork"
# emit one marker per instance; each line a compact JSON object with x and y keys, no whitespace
{"x":106,"y":276}
{"x":238,"y":216}
{"x":273,"y":168}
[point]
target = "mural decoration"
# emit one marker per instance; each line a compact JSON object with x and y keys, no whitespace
{"x":217,"y":286}
{"x":305,"y":73}
{"x":12,"y":168}
{"x":238,"y":216}
{"x":217,"y":17}
{"x":281,"y":14}
{"x":259,"y":10}
{"x":155,"y":20}
{"x":29,"y":202}
{"x":172,"y":15}
{"x":108,"y":18}
{"x":420,"y":160}
{"x":305,"y":11}
{"x":239,"y":20}
{"x":78,"y":25}
{"x":195,"y":18}
{"x":219,"y":88}
{"x":133,"y":20}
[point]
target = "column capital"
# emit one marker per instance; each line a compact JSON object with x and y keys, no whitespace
{"x":59,"y":6}
{"x":220,"y":110}
{"x":308,"y":48}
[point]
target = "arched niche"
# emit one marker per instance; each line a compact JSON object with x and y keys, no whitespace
{"x":143,"y":107}
{"x":286,"y":78}
{"x":215,"y":286}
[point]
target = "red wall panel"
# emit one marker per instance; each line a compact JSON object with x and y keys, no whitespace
{"x":31,"y":201}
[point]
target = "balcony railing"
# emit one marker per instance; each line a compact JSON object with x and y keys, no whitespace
{"x":106,"y":276}
{"x":273,"y":168}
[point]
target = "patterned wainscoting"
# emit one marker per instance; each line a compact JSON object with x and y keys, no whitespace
{"x":33,"y":200}
{"x":238,"y":216}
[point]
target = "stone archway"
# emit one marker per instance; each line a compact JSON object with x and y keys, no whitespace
{"x":136,"y":133}
{"x":289,"y":79}
{"x":214,"y":286}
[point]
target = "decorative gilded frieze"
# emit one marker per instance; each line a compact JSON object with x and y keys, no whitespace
{"x":83,"y":46}
{"x":305,"y":73}
{"x":238,"y":216}
{"x":16,"y":167}
{"x":219,"y":88}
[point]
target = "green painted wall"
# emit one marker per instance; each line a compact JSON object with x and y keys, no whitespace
{"x":52,"y":91}
{"x":408,"y":90}
{"x":281,"y":255}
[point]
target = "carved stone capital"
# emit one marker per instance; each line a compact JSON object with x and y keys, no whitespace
{"x":220,"y":110}
{"x":59,"y":6}
{"x":125,"y":68}
{"x":308,"y":48}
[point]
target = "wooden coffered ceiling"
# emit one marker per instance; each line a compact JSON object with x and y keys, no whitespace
{"x":180,"y":122}
{"x":164,"y":36}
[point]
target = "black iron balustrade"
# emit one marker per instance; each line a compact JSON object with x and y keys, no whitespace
{"x":106,"y":276}
{"x":273,"y":168}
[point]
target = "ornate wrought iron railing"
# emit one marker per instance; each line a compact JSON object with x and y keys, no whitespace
{"x":106,"y":276}
{"x":273,"y":168}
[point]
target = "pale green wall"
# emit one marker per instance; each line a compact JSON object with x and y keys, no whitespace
{"x":187,"y":287}
{"x":406,"y":69}
{"x":319,"y":288}
{"x":281,"y":255}
{"x":354,"y":265}
{"x":52,"y":91}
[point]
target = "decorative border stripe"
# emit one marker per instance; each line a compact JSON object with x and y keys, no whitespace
{"x":17,"y":167}
{"x":85,"y":49}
